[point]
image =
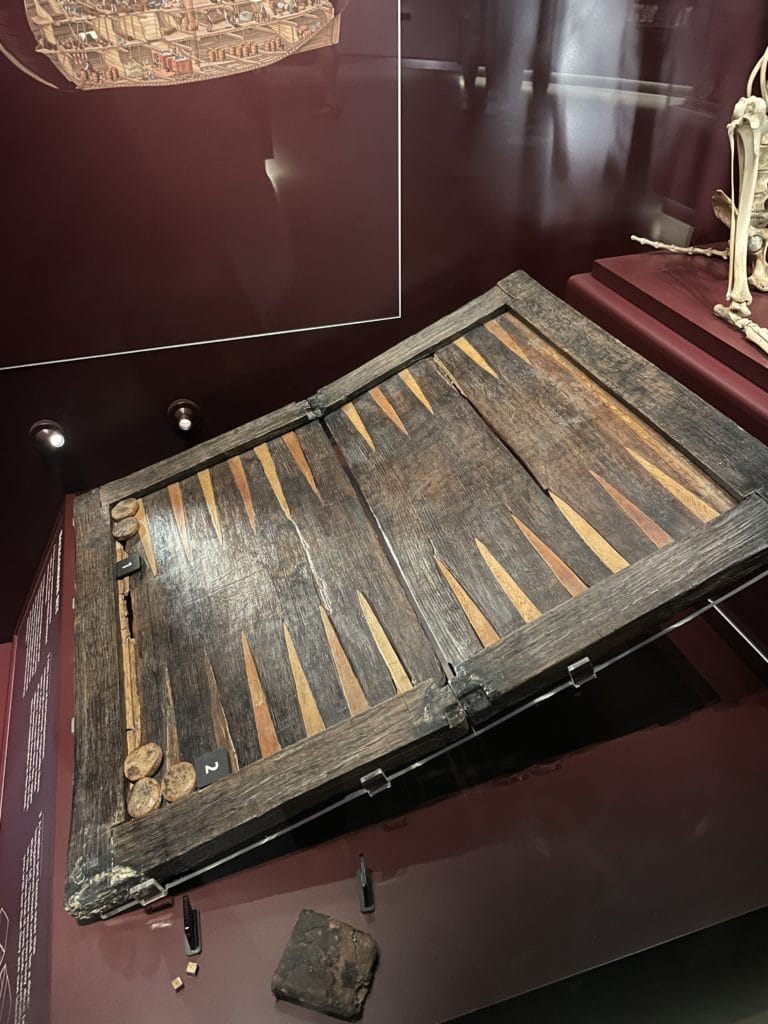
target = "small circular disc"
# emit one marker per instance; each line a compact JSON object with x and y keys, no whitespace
{"x":179,"y":781}
{"x":125,"y":529}
{"x":145,"y":797}
{"x":142,"y":762}
{"x":125,"y":508}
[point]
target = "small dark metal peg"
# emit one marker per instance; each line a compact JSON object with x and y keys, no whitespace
{"x":365,"y":888}
{"x":193,"y":942}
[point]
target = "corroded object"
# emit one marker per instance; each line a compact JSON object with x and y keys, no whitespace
{"x":145,"y":797}
{"x":142,"y":762}
{"x":179,"y":781}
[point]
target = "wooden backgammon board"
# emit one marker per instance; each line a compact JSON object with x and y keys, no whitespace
{"x":352,"y":582}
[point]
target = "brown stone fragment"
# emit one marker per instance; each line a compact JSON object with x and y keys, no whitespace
{"x":144,"y":798}
{"x":192,"y":968}
{"x":125,"y":529}
{"x":327,"y":966}
{"x":177,"y":984}
{"x":124,"y":509}
{"x":142,"y":762}
{"x":179,"y":781}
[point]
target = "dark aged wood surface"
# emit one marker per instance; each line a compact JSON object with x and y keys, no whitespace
{"x":349,"y":583}
{"x":445,"y":492}
{"x":266,"y":573}
{"x":99,"y":786}
{"x":616,"y":611}
{"x":205,"y":454}
{"x":401,"y":356}
{"x":727,"y":453}
{"x":263,"y":795}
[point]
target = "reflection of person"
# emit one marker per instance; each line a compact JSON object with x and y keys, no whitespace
{"x":203,"y":236}
{"x":328,"y":62}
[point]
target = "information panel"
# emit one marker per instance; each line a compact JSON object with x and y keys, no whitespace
{"x":27,"y":813}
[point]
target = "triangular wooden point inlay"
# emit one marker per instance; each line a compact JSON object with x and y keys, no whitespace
{"x":484,"y":631}
{"x":572,"y":583}
{"x":470,"y":350}
{"x":607,"y":554}
{"x":522,"y":603}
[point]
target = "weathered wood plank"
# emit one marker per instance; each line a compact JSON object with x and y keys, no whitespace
{"x":697,"y":490}
{"x":330,"y":521}
{"x":206,"y":454}
{"x":731,"y":456}
{"x":100,"y":742}
{"x":568,"y":443}
{"x":244,"y":806}
{"x":615,"y":611}
{"x":445,"y":493}
{"x":170,"y":650}
{"x":261,"y":562}
{"x":408,"y":351}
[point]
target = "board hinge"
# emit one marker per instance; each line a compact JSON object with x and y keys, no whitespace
{"x":581,"y":671}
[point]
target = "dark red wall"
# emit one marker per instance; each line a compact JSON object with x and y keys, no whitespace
{"x":121,"y":238}
{"x":6,"y":664}
{"x":484,"y":895}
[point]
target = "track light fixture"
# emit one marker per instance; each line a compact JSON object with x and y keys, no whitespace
{"x":184,"y":414}
{"x":48,"y":434}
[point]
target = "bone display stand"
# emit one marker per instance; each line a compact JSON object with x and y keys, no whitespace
{"x":747,"y":250}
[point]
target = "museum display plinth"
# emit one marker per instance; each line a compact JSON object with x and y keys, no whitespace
{"x":661,"y":305}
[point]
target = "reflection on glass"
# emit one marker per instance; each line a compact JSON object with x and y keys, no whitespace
{"x":585,"y":120}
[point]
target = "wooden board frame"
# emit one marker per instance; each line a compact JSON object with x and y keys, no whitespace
{"x":108,"y":854}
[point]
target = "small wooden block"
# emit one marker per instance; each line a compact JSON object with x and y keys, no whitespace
{"x":124,"y":509}
{"x":327,"y":966}
{"x":211,"y":767}
{"x":145,"y":797}
{"x":192,"y":968}
{"x":127,"y":566}
{"x":142,"y":762}
{"x":125,"y":529}
{"x":177,"y":984}
{"x":179,"y":781}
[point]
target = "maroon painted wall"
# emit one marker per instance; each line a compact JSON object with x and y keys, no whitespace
{"x":526,"y":176}
{"x":484,"y":895}
{"x":6,"y":664}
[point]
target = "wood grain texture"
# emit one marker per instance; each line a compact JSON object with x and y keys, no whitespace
{"x":486,"y":501}
{"x":246,"y":805}
{"x":569,"y":444}
{"x":407,"y":352}
{"x":206,"y":454}
{"x":254,"y":615}
{"x":615,"y":611}
{"x":265,"y":727}
{"x":444,"y":487}
{"x":731,"y":456}
{"x":637,"y":437}
{"x":93,"y":879}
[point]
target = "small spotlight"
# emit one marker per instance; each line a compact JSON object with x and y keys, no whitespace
{"x":47,"y":434}
{"x":184,"y":415}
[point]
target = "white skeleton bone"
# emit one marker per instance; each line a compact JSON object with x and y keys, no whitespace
{"x":747,"y":217}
